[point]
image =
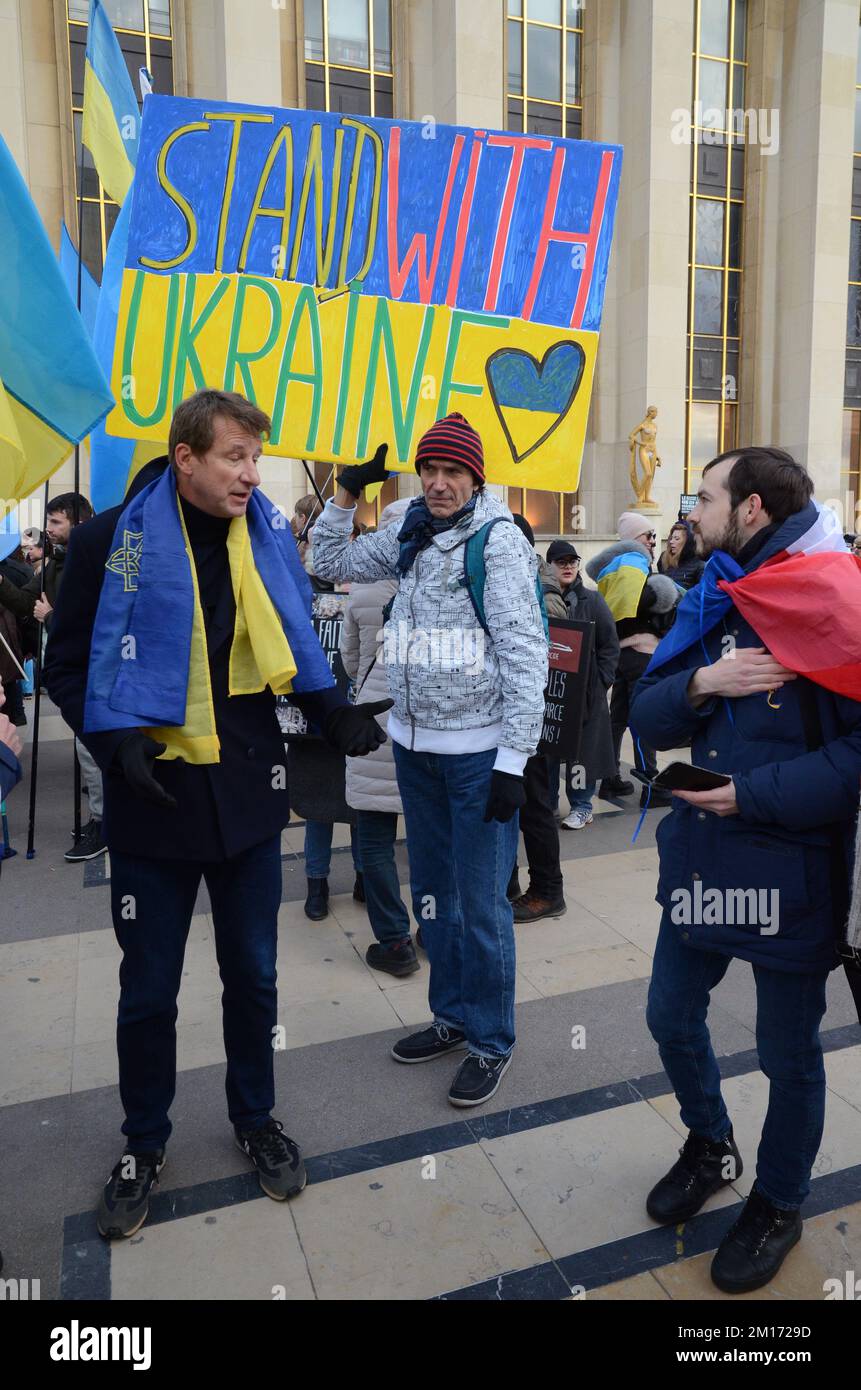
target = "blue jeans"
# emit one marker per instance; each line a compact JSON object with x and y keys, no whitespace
{"x":245,"y":893}
{"x":578,"y":797}
{"x":459,"y":871}
{"x":789,"y":1009}
{"x":318,"y":848}
{"x":376,"y":832}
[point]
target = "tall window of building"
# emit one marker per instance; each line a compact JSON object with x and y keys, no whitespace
{"x":544,"y":86}
{"x":348,"y":56}
{"x":348,"y":68}
{"x":544,"y":39}
{"x":143,"y":29}
{"x":718,"y":135}
{"x":850,"y":466}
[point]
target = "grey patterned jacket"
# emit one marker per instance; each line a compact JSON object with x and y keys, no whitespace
{"x":443,"y":672}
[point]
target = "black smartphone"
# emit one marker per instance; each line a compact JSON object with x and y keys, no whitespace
{"x":684,"y":777}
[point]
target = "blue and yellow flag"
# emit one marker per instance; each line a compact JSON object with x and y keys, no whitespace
{"x":621,"y":583}
{"x":52,"y":390}
{"x":111,"y":127}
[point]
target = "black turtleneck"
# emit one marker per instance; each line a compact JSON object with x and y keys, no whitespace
{"x":207,"y":536}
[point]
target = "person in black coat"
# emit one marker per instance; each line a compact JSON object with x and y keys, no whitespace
{"x":597,"y":758}
{"x":679,"y":561}
{"x":169,"y":824}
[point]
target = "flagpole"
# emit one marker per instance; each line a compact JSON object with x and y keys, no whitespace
{"x":76,"y":766}
{"x":37,"y":698}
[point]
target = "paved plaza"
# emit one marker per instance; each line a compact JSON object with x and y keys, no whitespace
{"x":535,"y":1195}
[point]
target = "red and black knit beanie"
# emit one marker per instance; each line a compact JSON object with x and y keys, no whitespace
{"x":454,"y":441}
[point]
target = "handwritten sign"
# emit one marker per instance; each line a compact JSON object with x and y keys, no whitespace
{"x":571,"y":643}
{"x":360,"y":278}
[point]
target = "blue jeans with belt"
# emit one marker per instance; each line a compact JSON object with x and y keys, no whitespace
{"x":459,"y":870}
{"x":152,"y":901}
{"x":789,"y":1009}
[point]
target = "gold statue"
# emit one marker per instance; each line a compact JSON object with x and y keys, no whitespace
{"x":643,"y":441}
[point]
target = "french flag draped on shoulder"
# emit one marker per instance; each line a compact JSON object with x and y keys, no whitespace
{"x":803,"y":601}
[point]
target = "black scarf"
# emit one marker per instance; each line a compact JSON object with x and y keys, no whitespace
{"x":420,"y":527}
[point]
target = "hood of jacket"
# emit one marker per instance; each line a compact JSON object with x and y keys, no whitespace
{"x":610,"y":552}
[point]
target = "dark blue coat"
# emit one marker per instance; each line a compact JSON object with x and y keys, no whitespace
{"x":797,"y":808}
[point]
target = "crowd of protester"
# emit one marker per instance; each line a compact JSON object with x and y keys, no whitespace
{"x":179,"y":750}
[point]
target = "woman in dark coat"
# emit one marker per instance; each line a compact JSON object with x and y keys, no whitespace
{"x":679,"y":561}
{"x":597,"y":759}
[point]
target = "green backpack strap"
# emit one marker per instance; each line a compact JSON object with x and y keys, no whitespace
{"x":475,"y":574}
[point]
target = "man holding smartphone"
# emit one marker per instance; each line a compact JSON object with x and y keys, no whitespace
{"x":788,"y":737}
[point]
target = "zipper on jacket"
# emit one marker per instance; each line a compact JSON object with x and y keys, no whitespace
{"x":410,"y":715}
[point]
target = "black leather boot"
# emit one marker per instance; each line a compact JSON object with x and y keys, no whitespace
{"x":317,"y":901}
{"x":704,"y":1166}
{"x":753,"y":1250}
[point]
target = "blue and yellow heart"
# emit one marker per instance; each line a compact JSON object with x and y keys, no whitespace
{"x":532,"y":398}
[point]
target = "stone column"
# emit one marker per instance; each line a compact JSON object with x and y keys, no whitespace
{"x":797,"y":210}
{"x":637,"y":78}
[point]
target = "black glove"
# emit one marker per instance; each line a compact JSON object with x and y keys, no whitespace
{"x":134,"y":758}
{"x":353,"y":730}
{"x":507,"y":795}
{"x":359,"y":475}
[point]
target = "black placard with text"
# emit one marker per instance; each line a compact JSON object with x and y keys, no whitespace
{"x":571,"y":643}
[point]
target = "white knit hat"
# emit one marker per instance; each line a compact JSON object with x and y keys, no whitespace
{"x":632,"y":525}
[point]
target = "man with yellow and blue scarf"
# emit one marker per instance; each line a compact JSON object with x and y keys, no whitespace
{"x":183,"y":614}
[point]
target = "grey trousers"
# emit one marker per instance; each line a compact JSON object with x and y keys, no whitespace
{"x":92,"y":780}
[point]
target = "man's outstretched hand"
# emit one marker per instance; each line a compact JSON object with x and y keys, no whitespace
{"x":360,"y":475}
{"x":135,"y":758}
{"x":353,"y":729}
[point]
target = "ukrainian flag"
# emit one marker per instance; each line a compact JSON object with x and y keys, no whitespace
{"x":621,"y":584}
{"x":52,"y":390}
{"x":111,"y":128}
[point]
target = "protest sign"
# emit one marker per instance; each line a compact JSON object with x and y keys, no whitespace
{"x":571,"y":643}
{"x":360,"y":278}
{"x":327,"y":618}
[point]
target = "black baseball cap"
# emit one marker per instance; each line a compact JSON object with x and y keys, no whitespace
{"x":561,"y":550}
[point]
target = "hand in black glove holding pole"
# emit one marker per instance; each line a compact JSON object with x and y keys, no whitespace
{"x":360,"y":475}
{"x":135,"y":758}
{"x":353,"y":730}
{"x":507,"y":795}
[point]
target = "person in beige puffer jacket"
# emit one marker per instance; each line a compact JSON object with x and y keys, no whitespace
{"x":372,"y":784}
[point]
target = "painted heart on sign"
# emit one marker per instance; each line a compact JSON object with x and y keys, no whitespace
{"x":532,"y":398}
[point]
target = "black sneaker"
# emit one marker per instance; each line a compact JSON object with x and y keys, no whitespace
{"x":317,"y":901}
{"x":478,"y":1079}
{"x":420,"y":941}
{"x":615,"y":786}
{"x":277,"y":1159}
{"x":124,"y":1205}
{"x":395,"y":958}
{"x":89,"y":845}
{"x":431,"y":1042}
{"x":359,"y":889}
{"x":704,"y":1166}
{"x":753,"y":1249}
